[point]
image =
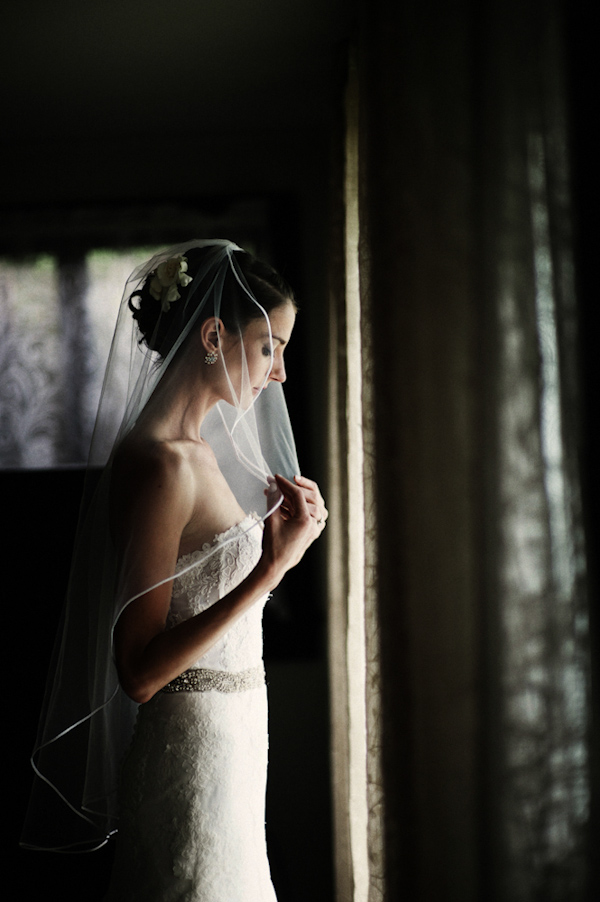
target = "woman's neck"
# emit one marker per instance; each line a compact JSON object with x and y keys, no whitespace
{"x":179,"y":404}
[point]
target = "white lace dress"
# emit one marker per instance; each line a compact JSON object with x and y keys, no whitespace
{"x":193,"y":788}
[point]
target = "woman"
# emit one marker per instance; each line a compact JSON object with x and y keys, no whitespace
{"x":177,"y":556}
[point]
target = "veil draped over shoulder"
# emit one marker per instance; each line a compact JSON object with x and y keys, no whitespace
{"x":87,"y":720}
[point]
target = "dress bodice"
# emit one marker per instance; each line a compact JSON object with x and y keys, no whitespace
{"x":222,"y":565}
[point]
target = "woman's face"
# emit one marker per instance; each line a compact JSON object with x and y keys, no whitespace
{"x":264,"y":360}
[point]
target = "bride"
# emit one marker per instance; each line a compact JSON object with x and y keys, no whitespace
{"x":155,"y":721}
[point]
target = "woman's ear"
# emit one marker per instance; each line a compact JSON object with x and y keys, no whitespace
{"x":210,"y":331}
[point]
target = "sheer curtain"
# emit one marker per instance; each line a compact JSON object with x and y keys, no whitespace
{"x":537,"y":603}
{"x":459,"y":628}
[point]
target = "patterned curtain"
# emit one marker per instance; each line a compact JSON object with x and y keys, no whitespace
{"x":29,"y":388}
{"x":57,"y":315}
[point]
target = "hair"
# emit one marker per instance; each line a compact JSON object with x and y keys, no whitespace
{"x":159,"y":330}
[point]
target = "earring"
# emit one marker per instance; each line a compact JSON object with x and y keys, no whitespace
{"x":210,"y":358}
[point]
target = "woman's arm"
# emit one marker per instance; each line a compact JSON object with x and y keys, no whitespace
{"x":153,"y":511}
{"x":147,"y":660}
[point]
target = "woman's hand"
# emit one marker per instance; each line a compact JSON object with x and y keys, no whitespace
{"x":294,"y":525}
{"x":314,"y":499}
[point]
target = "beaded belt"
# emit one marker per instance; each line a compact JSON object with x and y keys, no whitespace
{"x":203,"y":680}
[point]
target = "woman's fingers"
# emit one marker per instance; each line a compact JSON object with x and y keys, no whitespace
{"x":294,"y":500}
{"x":277,"y":498}
{"x":295,"y":523}
{"x":314,"y":499}
{"x":299,"y":498}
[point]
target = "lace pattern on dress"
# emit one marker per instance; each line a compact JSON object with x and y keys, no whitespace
{"x":197,"y":587}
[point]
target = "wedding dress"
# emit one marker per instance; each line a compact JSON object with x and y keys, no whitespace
{"x":192,"y":825}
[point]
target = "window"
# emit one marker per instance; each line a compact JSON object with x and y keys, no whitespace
{"x":56,"y":322}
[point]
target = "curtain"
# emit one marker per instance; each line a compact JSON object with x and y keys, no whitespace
{"x":537,"y":601}
{"x":459,"y":628}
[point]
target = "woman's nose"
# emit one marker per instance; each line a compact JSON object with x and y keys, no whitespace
{"x":278,"y":373}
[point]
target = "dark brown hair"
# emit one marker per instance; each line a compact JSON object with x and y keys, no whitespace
{"x":160,"y":330}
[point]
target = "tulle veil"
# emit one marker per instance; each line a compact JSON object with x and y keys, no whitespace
{"x":87,"y":720}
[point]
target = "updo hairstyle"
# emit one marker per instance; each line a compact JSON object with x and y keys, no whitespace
{"x":160,"y":330}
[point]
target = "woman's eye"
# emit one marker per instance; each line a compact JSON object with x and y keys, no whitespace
{"x":266,"y":351}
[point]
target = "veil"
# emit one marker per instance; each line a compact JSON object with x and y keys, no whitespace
{"x":87,"y":720}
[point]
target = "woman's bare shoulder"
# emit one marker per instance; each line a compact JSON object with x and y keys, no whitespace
{"x":153,"y":479}
{"x":174,"y":484}
{"x":152,"y":462}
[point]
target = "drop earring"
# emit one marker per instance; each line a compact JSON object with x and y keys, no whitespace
{"x":211,"y":358}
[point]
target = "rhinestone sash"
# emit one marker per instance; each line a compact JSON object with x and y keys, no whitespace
{"x":203,"y":680}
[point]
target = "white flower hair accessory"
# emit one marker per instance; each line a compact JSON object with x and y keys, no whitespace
{"x":165,"y":280}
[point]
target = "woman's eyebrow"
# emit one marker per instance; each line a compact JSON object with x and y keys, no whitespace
{"x":282,"y":341}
